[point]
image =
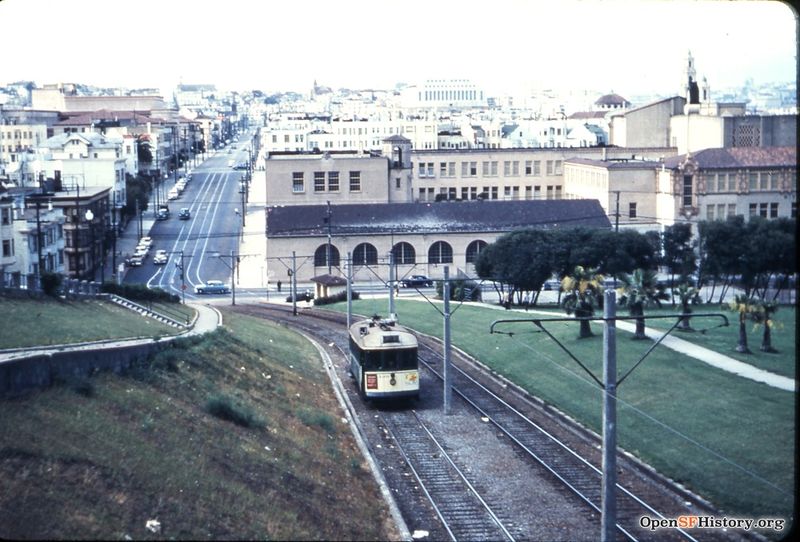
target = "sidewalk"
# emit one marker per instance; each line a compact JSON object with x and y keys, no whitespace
{"x":715,"y":359}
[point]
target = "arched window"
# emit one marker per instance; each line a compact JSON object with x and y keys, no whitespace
{"x":365,"y":254}
{"x":440,"y":252}
{"x":320,"y":256}
{"x":473,"y":249}
{"x":404,"y":253}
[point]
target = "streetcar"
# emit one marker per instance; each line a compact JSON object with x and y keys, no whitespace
{"x":383,"y":359}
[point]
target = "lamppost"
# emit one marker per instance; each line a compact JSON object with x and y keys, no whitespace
{"x":89,"y":216}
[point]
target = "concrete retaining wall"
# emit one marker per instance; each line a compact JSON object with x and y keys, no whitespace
{"x":40,"y":371}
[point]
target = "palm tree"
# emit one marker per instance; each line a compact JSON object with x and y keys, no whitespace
{"x":744,"y":306}
{"x":687,"y":294}
{"x":582,"y":292}
{"x":762,"y":314}
{"x":639,"y":290}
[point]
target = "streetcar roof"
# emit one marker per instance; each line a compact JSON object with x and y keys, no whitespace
{"x":379,"y":334}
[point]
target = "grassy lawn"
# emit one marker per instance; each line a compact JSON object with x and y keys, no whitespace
{"x":44,"y":322}
{"x":725,"y":437}
{"x":724,"y":339}
{"x":236,"y":435}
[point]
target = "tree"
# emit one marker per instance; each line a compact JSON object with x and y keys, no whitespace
{"x":743,"y":305}
{"x":583,"y":289}
{"x":762,"y":315}
{"x":679,"y":255}
{"x":641,"y":289}
{"x":687,"y":295}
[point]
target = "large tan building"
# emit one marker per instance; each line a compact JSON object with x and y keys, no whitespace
{"x":422,"y":237}
{"x":716,"y":183}
{"x":506,"y":174}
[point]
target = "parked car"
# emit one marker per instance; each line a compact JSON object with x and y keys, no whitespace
{"x":212,"y":287}
{"x":161,"y":257}
{"x":416,"y":281}
{"x":184,"y":213}
{"x":162,"y":215}
{"x":146,"y":241}
{"x":135,"y":260}
{"x":304,"y":296}
{"x":173,"y":193}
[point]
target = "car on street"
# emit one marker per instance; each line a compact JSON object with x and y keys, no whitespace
{"x":146,"y":241}
{"x":135,"y":260}
{"x":173,"y":193}
{"x":162,"y":215}
{"x":301,"y":296}
{"x":416,"y":281}
{"x":161,"y":257}
{"x":184,"y":214}
{"x":212,"y":287}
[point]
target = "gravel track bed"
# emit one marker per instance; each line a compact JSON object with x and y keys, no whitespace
{"x":534,"y":504}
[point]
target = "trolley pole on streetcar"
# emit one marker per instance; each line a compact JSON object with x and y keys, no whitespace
{"x":446,"y":371}
{"x":609,"y":501}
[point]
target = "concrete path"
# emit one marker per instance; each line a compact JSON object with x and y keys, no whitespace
{"x":715,"y":359}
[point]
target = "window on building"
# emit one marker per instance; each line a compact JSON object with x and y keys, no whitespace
{"x":8,"y":248}
{"x":773,"y":181}
{"x":355,"y":181}
{"x":5,"y":216}
{"x":632,"y":209}
{"x":321,"y":256}
{"x":474,"y":249}
{"x":550,"y":192}
{"x":365,"y":254}
{"x":732,"y":183}
{"x":464,"y":193}
{"x":397,"y":182}
{"x":709,"y":212}
{"x":494,"y":192}
{"x":557,"y":166}
{"x":687,"y":190}
{"x":422,"y":194}
{"x":753,"y":181}
{"x":550,"y":168}
{"x":763,"y":209}
{"x":773,"y":210}
{"x":558,"y":192}
{"x":528,"y":167}
{"x":440,"y":252}
{"x":753,"y":209}
{"x":319,"y":181}
{"x":442,"y":169}
{"x":507,"y":168}
{"x":731,"y":209}
{"x":404,"y":254}
{"x":537,"y":192}
{"x":721,"y":211}
{"x":298,"y":182}
{"x":333,"y":181}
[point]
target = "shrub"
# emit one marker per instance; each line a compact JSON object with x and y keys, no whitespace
{"x":462,"y":290}
{"x":51,"y":283}
{"x":336,"y":298}
{"x":320,"y":419}
{"x":139,"y":292}
{"x":229,"y":409}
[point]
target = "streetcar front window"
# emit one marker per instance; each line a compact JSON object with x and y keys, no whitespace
{"x":391,"y":360}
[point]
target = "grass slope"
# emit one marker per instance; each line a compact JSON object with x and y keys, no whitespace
{"x":725,"y":437}
{"x":233,"y":436}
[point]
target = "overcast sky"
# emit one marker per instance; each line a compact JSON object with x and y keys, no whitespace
{"x":625,"y":46}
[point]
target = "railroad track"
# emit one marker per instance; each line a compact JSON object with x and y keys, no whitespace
{"x":463,"y":511}
{"x":578,"y":474}
{"x":456,"y":495}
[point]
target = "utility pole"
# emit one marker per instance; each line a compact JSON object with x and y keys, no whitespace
{"x":294,"y":284}
{"x":391,"y":285}
{"x":446,"y":371}
{"x":183,"y":281}
{"x":349,"y":292}
{"x":616,"y":214}
{"x":328,"y":248}
{"x":609,"y":501}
